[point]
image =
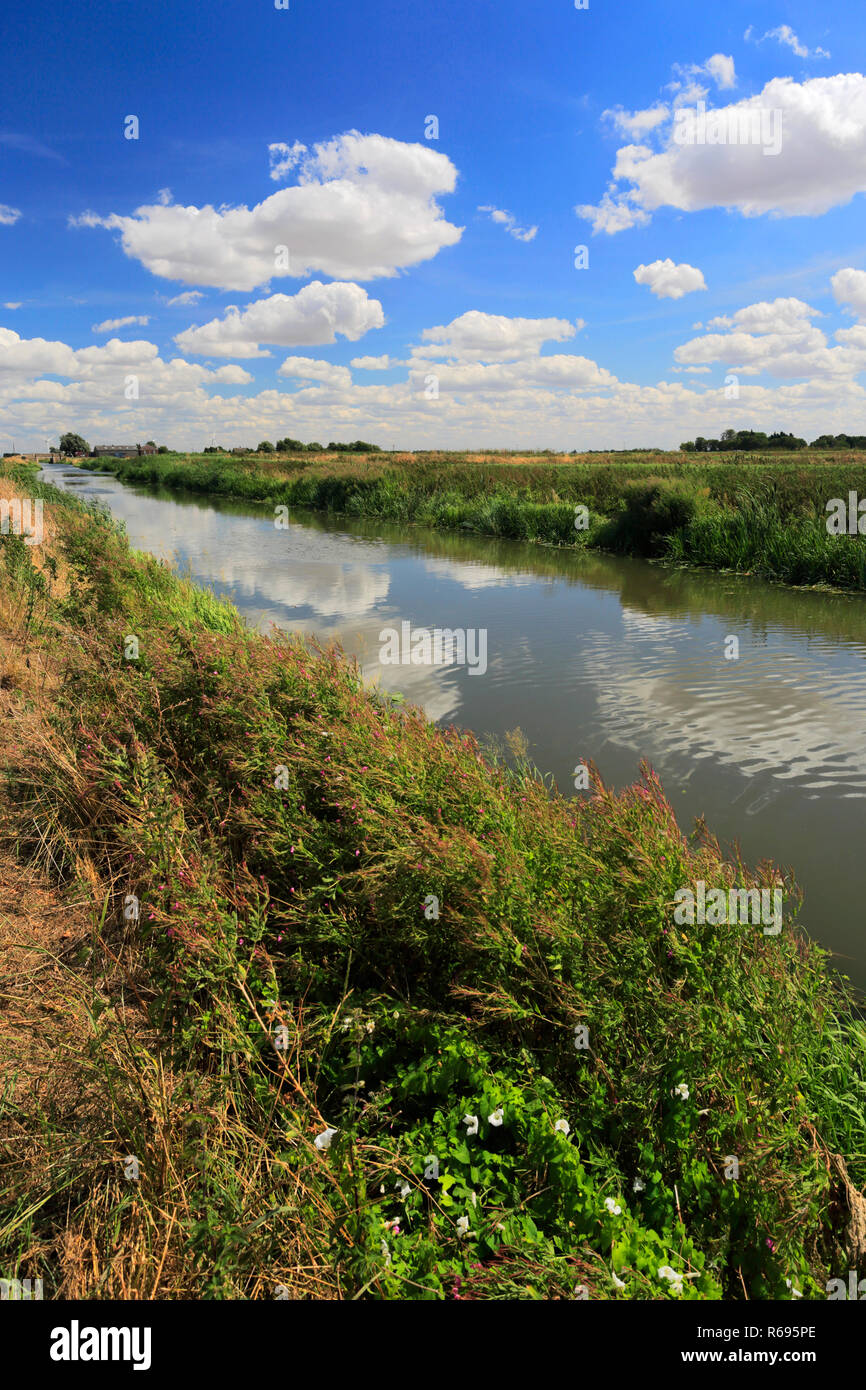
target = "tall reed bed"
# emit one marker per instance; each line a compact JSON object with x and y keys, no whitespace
{"x":750,"y":515}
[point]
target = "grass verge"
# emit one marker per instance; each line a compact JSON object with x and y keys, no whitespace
{"x":316,"y":917}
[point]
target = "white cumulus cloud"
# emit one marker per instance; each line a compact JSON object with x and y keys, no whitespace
{"x":637,"y":122}
{"x":315,"y":315}
{"x":363,"y":207}
{"x":491,"y":337}
{"x":615,"y":213}
{"x":373,"y":364}
{"x":721,"y":69}
{"x":849,"y":288}
{"x":667,"y":280}
{"x":314,"y":369}
{"x":809,"y":156}
{"x":779,"y":338}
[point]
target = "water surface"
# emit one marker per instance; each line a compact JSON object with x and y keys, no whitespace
{"x":591,"y":656}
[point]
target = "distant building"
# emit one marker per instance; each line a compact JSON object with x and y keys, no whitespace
{"x":122,"y":451}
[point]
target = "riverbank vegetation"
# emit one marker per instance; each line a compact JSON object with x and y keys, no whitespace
{"x":376,"y":1011}
{"x":751,"y":513}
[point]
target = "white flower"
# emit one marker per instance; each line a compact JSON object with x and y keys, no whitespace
{"x":386,"y":1252}
{"x":405,"y":1189}
{"x":676,"y":1280}
{"x":463,"y":1226}
{"x":618,"y":1283}
{"x":796,"y":1292}
{"x":496,"y":1118}
{"x":638,"y":1185}
{"x":323,"y":1141}
{"x":562,"y":1127}
{"x":370,"y":1025}
{"x":471,"y":1123}
{"x":682,"y":1091}
{"x":613,"y":1207}
{"x":474,"y":1197}
{"x":382,"y":1188}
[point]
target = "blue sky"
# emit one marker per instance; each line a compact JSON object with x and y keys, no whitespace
{"x":307,"y":128}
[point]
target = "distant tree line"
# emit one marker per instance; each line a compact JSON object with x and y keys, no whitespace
{"x":295,"y":446}
{"x":839,"y":441}
{"x":749,"y":441}
{"x":745,"y":441}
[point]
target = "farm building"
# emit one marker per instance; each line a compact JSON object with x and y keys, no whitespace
{"x":122,"y":451}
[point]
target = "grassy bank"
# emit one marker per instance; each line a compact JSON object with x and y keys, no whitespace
{"x":761,"y":515}
{"x":313,"y":911}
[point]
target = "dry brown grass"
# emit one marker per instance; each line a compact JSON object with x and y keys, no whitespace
{"x":85,"y":1078}
{"x":57,"y":968}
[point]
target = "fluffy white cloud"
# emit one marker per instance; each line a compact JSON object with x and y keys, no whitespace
{"x":615,"y":213}
{"x":29,"y":355}
{"x":720,"y":67}
{"x":8,"y":216}
{"x":849,"y":288}
{"x":769,"y":316}
{"x":797,"y":149}
{"x":111,"y":324}
{"x":364,"y":207}
{"x":778,"y":338}
{"x":667,"y":280}
{"x":314,"y":369}
{"x":638,"y":122}
{"x":373,"y":364}
{"x":493,"y":354}
{"x":183,"y":413}
{"x":103,"y":370}
{"x":505,"y":219}
{"x":557,"y":372}
{"x":231,"y":375}
{"x":477,"y":336}
{"x":315,"y":315}
{"x":13,"y":304}
{"x":285,"y":158}
{"x":519,"y":415}
{"x":505,"y":392}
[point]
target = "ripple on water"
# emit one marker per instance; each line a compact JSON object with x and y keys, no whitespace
{"x":698,"y":705}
